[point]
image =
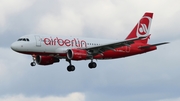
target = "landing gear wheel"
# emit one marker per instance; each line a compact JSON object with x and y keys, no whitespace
{"x":70,"y":68}
{"x":33,"y":64}
{"x":92,"y":65}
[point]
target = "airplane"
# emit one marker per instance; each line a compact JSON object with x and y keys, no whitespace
{"x":49,"y":49}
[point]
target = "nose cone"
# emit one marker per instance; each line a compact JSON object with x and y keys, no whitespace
{"x":14,"y":46}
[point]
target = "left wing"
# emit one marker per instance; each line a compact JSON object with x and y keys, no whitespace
{"x":102,"y":48}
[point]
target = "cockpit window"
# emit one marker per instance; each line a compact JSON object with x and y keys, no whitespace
{"x":23,"y":39}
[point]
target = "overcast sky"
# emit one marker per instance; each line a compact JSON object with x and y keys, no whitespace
{"x":153,"y":76}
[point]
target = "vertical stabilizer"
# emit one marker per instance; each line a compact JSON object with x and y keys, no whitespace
{"x":142,"y":28}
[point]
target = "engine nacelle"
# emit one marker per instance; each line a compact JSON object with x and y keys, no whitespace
{"x":77,"y":54}
{"x":46,"y":60}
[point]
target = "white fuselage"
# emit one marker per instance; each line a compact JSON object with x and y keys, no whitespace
{"x":53,"y":44}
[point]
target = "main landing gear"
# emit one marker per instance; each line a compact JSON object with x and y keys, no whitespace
{"x":71,"y":67}
{"x":92,"y":65}
{"x":34,"y":59}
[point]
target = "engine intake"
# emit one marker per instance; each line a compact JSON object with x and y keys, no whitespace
{"x":46,"y":60}
{"x":77,"y":54}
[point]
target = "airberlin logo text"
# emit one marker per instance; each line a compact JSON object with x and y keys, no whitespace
{"x":143,"y":26}
{"x":75,"y":42}
{"x":143,"y":29}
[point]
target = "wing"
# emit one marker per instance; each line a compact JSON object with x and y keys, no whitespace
{"x":111,"y":46}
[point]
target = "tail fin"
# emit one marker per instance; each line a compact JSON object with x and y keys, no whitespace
{"x":142,"y":28}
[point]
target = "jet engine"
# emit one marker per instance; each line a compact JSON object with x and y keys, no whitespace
{"x":46,"y":60}
{"x":77,"y":54}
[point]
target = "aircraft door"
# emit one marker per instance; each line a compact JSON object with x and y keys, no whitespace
{"x":38,"y":41}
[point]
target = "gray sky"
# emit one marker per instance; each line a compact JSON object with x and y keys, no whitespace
{"x":152,"y":76}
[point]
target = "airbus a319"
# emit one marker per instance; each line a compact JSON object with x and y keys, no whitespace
{"x":49,"y":49}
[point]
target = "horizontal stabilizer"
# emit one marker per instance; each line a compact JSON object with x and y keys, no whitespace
{"x":149,"y":46}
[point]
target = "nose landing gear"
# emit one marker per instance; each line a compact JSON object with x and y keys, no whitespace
{"x":34,"y":59}
{"x":33,"y":63}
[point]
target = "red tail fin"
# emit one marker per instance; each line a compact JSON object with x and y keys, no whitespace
{"x":142,"y":28}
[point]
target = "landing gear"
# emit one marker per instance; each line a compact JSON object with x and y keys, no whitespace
{"x":34,"y":59}
{"x":33,"y":63}
{"x":92,"y":65}
{"x":71,"y":67}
